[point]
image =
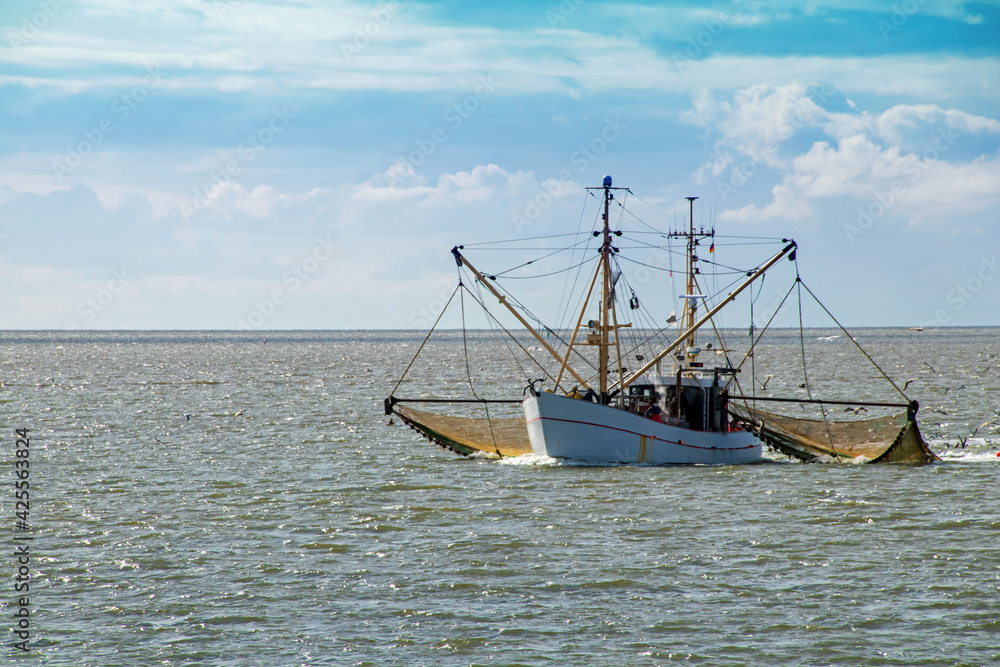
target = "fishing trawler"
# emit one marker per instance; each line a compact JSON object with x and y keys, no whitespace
{"x":675,"y":408}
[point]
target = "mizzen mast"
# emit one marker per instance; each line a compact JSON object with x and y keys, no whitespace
{"x":691,"y":295}
{"x":691,"y":303}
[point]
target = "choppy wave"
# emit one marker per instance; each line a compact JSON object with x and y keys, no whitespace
{"x":307,"y":530}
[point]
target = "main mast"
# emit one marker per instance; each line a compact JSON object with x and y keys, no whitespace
{"x":606,"y":298}
{"x":605,"y":317}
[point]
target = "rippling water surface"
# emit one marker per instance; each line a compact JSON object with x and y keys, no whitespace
{"x":309,"y":531}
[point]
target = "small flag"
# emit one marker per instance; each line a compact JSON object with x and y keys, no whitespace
{"x":712,"y":247}
{"x":673,"y":317}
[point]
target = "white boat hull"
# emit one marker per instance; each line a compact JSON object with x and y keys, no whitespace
{"x":570,"y":428}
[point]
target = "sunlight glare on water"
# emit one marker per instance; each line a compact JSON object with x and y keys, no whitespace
{"x":211,"y":498}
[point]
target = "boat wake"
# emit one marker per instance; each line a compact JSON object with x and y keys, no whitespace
{"x":962,"y":456}
{"x":542,"y":460}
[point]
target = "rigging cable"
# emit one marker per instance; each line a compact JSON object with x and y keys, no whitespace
{"x":512,"y":301}
{"x":673,"y":285}
{"x":540,"y":275}
{"x":530,"y":238}
{"x":847,"y":333}
{"x":468,"y":373}
{"x":649,"y":324}
{"x":749,"y":354}
{"x":753,"y":356}
{"x":538,"y":259}
{"x":718,"y":332}
{"x":805,"y":373}
{"x":427,"y":337}
{"x":564,"y":299}
{"x":494,"y":320}
{"x":663,"y":213}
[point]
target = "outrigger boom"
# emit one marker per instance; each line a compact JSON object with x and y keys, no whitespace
{"x":460,"y":260}
{"x":708,"y":316}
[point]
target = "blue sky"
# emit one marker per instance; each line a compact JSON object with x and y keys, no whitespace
{"x":307,"y":164}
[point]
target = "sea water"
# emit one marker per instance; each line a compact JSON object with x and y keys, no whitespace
{"x":214,"y":498}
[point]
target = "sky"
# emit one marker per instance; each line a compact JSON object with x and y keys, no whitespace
{"x":303,"y":164}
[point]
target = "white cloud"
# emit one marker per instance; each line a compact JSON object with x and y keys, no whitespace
{"x":911,"y":154}
{"x":254,"y":47}
{"x":481,"y":183}
{"x":223,"y":61}
{"x":391,"y":242}
{"x":898,"y":121}
{"x":756,"y":121}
